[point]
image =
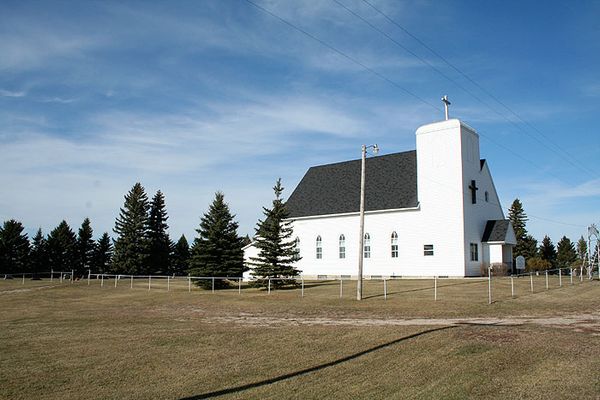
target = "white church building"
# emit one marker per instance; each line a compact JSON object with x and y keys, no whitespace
{"x":433,"y":211}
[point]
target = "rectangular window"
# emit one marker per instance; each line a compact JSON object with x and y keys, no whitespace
{"x":474,"y":252}
{"x":428,"y":249}
{"x":367,"y":252}
{"x":394,"y":251}
{"x":342,"y":252}
{"x":319,"y":253}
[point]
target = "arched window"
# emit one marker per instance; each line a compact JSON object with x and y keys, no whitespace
{"x":342,"y":246}
{"x":319,"y":248}
{"x":367,"y":246}
{"x":297,"y":243}
{"x":394,"y":245}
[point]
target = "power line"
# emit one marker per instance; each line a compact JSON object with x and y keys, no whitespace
{"x":381,"y":76}
{"x":480,"y":87}
{"x":343,"y":54}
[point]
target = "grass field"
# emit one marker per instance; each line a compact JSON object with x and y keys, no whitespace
{"x":73,"y":341}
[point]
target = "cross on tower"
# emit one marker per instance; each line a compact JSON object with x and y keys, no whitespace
{"x":446,"y":104}
{"x":474,"y":189}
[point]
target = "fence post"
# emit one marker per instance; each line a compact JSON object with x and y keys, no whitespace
{"x":213,"y":284}
{"x":385,"y":289}
{"x":302,"y":279}
{"x":168,"y":283}
{"x":434,"y":288}
{"x":149,"y":282}
{"x":341,"y":288}
{"x":560,"y":277}
{"x":116,"y":280}
{"x":23,"y":279}
{"x":189,"y":283}
{"x":490,"y":285}
{"x":571,"y":274}
{"x":581,"y":274}
{"x":89,"y":273}
{"x":240,"y":285}
{"x":269,"y":290}
{"x":72,"y":273}
{"x":546,"y":279}
{"x":531,"y":281}
{"x":61,"y":277}
{"x":51,"y":275}
{"x":102,"y":281}
{"x":130,"y":281}
{"x":512,"y":286}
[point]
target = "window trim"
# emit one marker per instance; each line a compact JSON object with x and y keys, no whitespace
{"x":319,"y":248}
{"x":342,"y":246}
{"x":428,"y":250}
{"x":394,"y":245}
{"x":367,"y":246}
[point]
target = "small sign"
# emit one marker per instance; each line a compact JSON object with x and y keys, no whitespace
{"x":520,"y":262}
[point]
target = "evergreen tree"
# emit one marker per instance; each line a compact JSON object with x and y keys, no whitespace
{"x":566,"y":254}
{"x":277,"y":250}
{"x":85,"y":247}
{"x":159,"y":241}
{"x":62,"y":248}
{"x":180,"y":259}
{"x":131,"y":226}
{"x":217,"y":251}
{"x":547,"y":251}
{"x":582,"y":248}
{"x":14,"y":248}
{"x":246,"y":240}
{"x":529,"y":248}
{"x":39,"y":254}
{"x":518,"y":219}
{"x":103,"y":253}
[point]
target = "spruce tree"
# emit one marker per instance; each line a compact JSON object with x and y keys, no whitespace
{"x":547,"y":251}
{"x":217,"y":251}
{"x":566,"y":254}
{"x":518,"y":219}
{"x":529,"y":247}
{"x":180,"y":259}
{"x":582,"y":248}
{"x":103,"y":252}
{"x":14,"y":248}
{"x":85,"y":247}
{"x":159,"y":241}
{"x":277,"y":250}
{"x":39,"y":254}
{"x":62,"y":248}
{"x":131,"y":226}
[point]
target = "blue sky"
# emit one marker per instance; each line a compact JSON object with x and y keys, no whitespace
{"x":199,"y":96}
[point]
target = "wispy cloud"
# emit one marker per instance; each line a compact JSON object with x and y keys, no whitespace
{"x":9,"y":93}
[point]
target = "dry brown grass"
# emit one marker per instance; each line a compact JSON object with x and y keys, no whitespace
{"x":72,"y":341}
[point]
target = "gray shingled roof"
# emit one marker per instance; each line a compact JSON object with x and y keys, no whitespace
{"x":391,"y":182}
{"x":495,"y":230}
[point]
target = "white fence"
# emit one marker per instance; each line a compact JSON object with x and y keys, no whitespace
{"x":497,"y":286}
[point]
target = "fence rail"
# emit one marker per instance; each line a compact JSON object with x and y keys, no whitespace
{"x":497,"y":286}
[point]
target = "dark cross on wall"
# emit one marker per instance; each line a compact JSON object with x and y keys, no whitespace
{"x":474,"y":189}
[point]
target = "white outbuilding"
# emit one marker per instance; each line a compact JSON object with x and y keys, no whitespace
{"x":433,"y":211}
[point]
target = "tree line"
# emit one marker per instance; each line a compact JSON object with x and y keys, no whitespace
{"x":142,"y":245}
{"x":546,"y":255}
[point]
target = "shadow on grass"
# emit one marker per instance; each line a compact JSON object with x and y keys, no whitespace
{"x":311,"y":369}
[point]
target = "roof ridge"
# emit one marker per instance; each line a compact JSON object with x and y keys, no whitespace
{"x":358,"y":159}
